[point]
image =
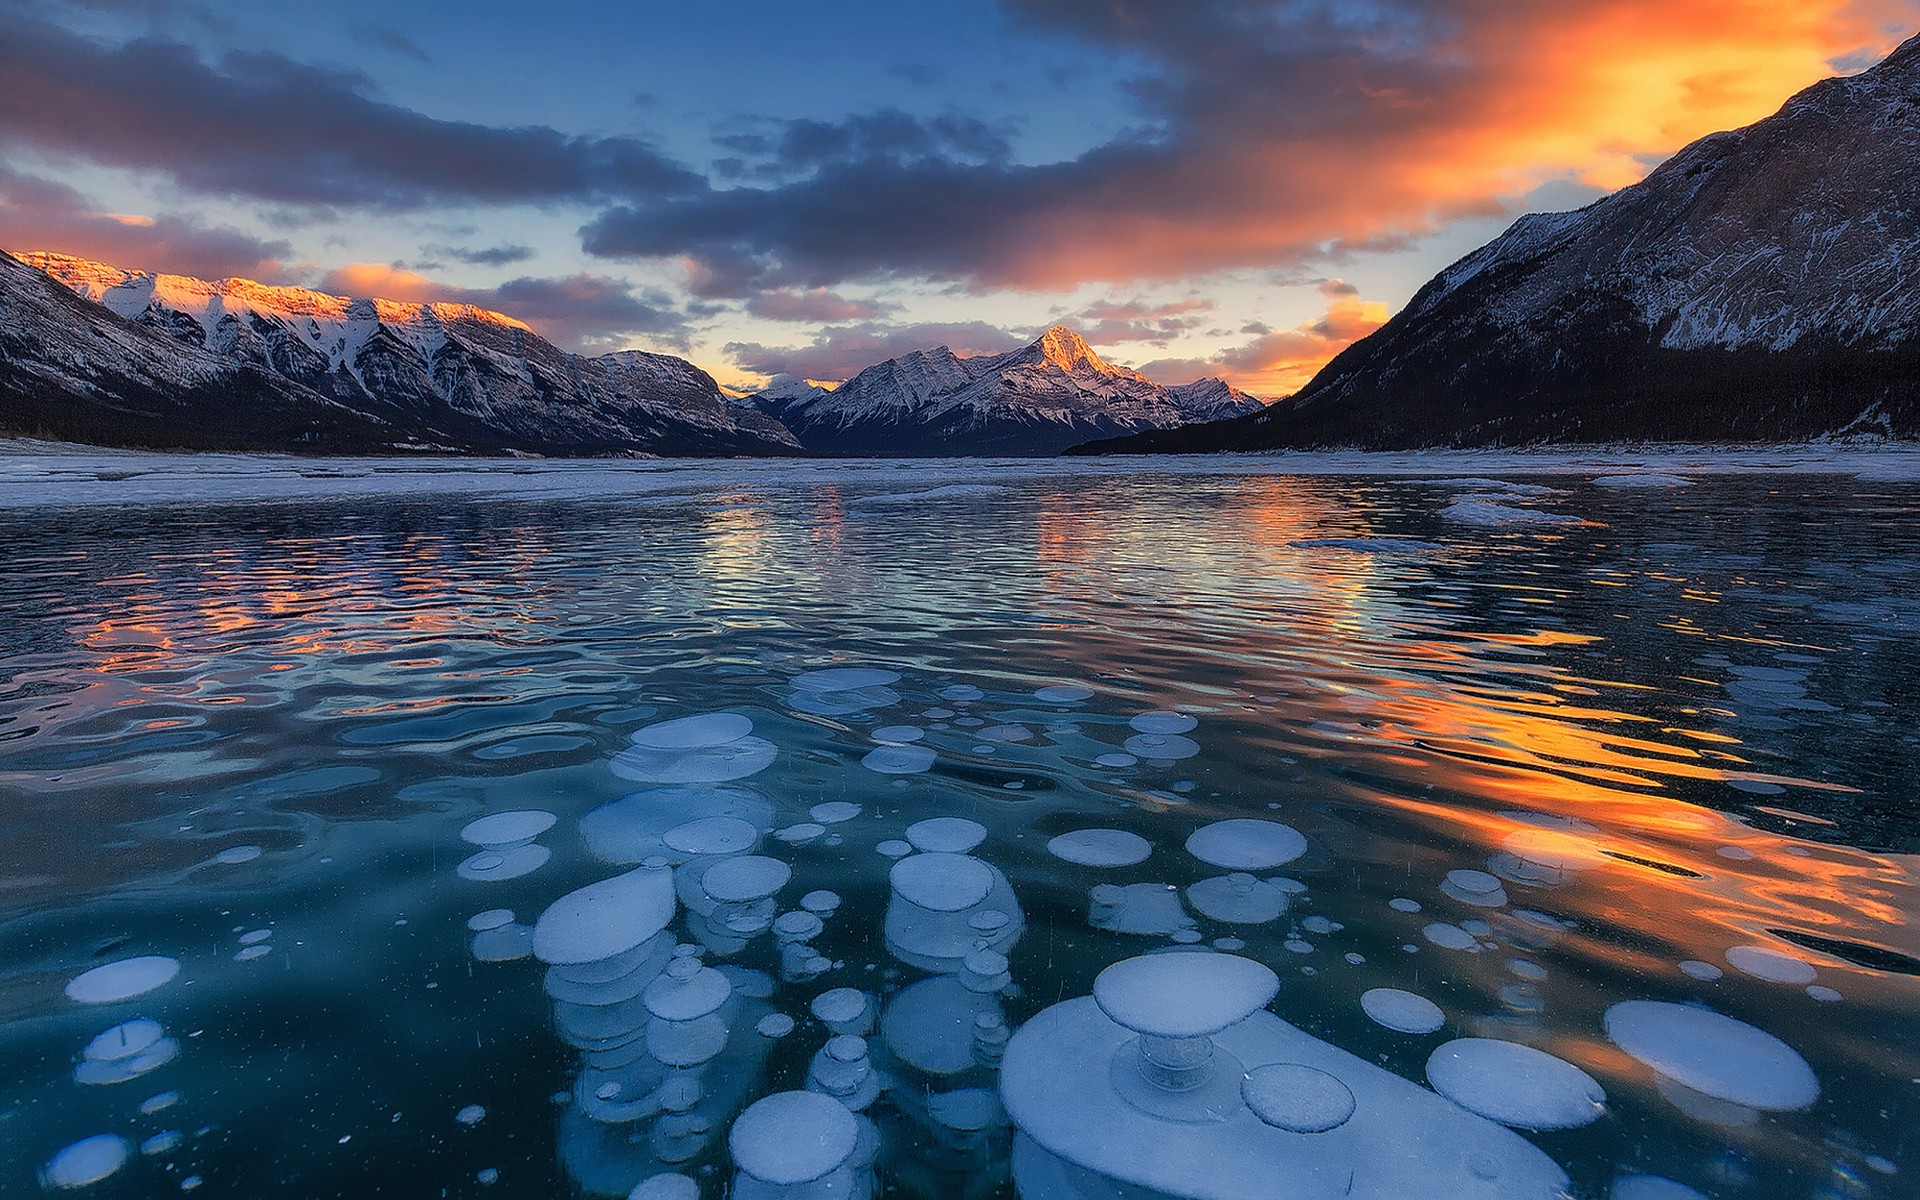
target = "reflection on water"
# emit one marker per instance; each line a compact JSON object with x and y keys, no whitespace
{"x":1578,"y":786}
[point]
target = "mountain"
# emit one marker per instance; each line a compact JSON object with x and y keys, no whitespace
{"x":450,"y":374}
{"x":1762,"y":284}
{"x":1036,"y":400}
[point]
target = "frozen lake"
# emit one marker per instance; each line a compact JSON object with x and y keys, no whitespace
{"x":512,"y":829}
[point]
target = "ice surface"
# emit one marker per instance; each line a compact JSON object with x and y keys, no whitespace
{"x":746,"y":878}
{"x":1713,"y":1054}
{"x":1515,"y":1085}
{"x":1368,"y":545}
{"x":606,"y":918}
{"x":1401,"y":1011}
{"x":1480,"y":510}
{"x":791,"y":1138}
{"x":507,"y":828}
{"x":1183,"y":995}
{"x":122,"y":980}
{"x":1297,"y":1098}
{"x":693,"y":733}
{"x":1162,"y":721}
{"x":898,"y":760}
{"x":946,"y":835}
{"x":1775,"y":966}
{"x":736,"y":759}
{"x":1100,"y":847}
{"x":941,"y":882}
{"x":88,"y":1161}
{"x":1246,"y":844}
{"x":1642,"y":479}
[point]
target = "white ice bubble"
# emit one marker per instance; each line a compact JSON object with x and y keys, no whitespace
{"x":1705,"y":972}
{"x":898,"y":735}
{"x":472,"y":1114}
{"x":234,"y":855}
{"x":124,"y":1040}
{"x":1100,"y":847}
{"x":946,"y":835}
{"x":899,"y":760}
{"x":1161,"y":745}
{"x":666,"y":1187}
{"x":606,"y":918}
{"x":1823,"y":994}
{"x":941,"y":882}
{"x":1651,"y":1187}
{"x":712,"y":835}
{"x":745,"y":879}
{"x":249,"y":953}
{"x":1237,"y":899}
{"x":1005,"y":733}
{"x":1449,"y":937}
{"x":1063,"y":693}
{"x":254,"y":937}
{"x":1515,"y":1085}
{"x":1116,"y":760}
{"x":508,"y":862}
{"x":122,"y":980}
{"x":1183,"y":995}
{"x":164,"y":1142}
{"x":844,"y":679}
{"x":693,"y":733}
{"x":706,"y":764}
{"x":1162,"y":721}
{"x":1401,"y":1011}
{"x":686,"y":992}
{"x":895,"y":848}
{"x":834,"y":812}
{"x":1138,"y":908}
{"x":507,"y":828}
{"x":628,"y":830}
{"x":791,"y":1138}
{"x":1246,"y":844}
{"x":1296,"y":1097}
{"x":88,"y":1161}
{"x":962,"y":692}
{"x":820,"y":902}
{"x":1402,"y":904}
{"x":1763,"y":962}
{"x":774,"y":1025}
{"x":1474,"y":887}
{"x":802,"y":833}
{"x":1713,"y":1054}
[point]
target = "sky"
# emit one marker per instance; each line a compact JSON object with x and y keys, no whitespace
{"x":1200,"y":187}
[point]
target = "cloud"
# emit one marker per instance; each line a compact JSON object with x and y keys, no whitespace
{"x":843,"y":351}
{"x":1279,"y":362}
{"x":1272,"y":136}
{"x":263,"y":126}
{"x":1109,"y":321}
{"x":816,"y":304}
{"x":379,"y":37}
{"x":39,"y":214}
{"x":805,"y":146}
{"x":482,"y":256}
{"x":589,"y":313}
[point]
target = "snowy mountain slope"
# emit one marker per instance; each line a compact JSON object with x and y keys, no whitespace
{"x":1037,"y":399}
{"x":475,"y":378}
{"x":1762,"y":284}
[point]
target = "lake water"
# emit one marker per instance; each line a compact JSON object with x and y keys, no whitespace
{"x":1549,"y":750}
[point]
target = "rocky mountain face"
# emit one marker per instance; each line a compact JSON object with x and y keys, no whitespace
{"x":1036,"y":400}
{"x":449,"y":374}
{"x":1763,"y":284}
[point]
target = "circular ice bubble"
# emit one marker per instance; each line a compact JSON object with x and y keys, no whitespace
{"x":706,"y":764}
{"x":834,"y":812}
{"x":712,"y":835}
{"x":1651,"y":1187}
{"x":941,"y":882}
{"x":1762,"y":962}
{"x":1237,"y":899}
{"x":1062,"y":693}
{"x":840,"y":1006}
{"x":1296,"y":1097}
{"x":122,"y":980}
{"x":962,"y":691}
{"x":1515,"y":1085}
{"x":1402,"y":904}
{"x":666,"y":1187}
{"x":1005,"y":733}
{"x":124,"y":1040}
{"x":234,"y":855}
{"x":472,"y":1114}
{"x":1713,"y":1054}
{"x":1474,"y":887}
{"x":746,"y":878}
{"x":88,"y":1161}
{"x":1449,"y":937}
{"x":774,"y":1025}
{"x":898,"y":735}
{"x":968,"y":1110}
{"x":844,"y":679}
{"x":801,"y":834}
{"x":1162,"y":721}
{"x":1161,"y":745}
{"x":1183,"y":995}
{"x":895,"y":848}
{"x":1402,"y":1012}
{"x":508,"y":862}
{"x":1115,"y":760}
{"x":899,"y":760}
{"x":507,"y":828}
{"x":1100,"y":847}
{"x":946,"y":835}
{"x":791,"y":1138}
{"x":1246,"y":844}
{"x":820,"y":902}
{"x":693,"y":733}
{"x":606,"y":918}
{"x":1824,"y":995}
{"x":1705,"y":972}
{"x":682,"y":995}
{"x":254,"y":937}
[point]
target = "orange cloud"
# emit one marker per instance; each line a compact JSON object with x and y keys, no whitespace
{"x":1278,"y":362}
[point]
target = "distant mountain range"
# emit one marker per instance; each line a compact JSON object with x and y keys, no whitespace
{"x":1762,"y":284}
{"x":1039,"y":399}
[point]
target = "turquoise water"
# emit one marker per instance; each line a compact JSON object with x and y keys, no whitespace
{"x":1675,"y":723}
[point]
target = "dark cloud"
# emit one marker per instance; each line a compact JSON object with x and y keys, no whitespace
{"x":1110,"y":321}
{"x":842,"y":352}
{"x":804,"y":147}
{"x":590,"y":313}
{"x":817,"y":305}
{"x":264,"y":126}
{"x":482,"y":256}
{"x":382,"y":38}
{"x":38,"y":214}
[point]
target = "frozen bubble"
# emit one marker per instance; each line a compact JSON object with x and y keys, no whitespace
{"x":1237,"y":899}
{"x":1185,"y":937}
{"x":124,"y":1040}
{"x":1140,"y":908}
{"x":746,"y":878}
{"x":503,"y":943}
{"x":686,"y":995}
{"x":1183,"y":995}
{"x":899,"y":760}
{"x":962,"y":692}
{"x":834,"y":812}
{"x":898,"y":735}
{"x":1713,"y":1054}
{"x":1402,"y":904}
{"x":844,"y":679}
{"x":666,"y":1187}
{"x":1005,"y":733}
{"x":472,"y":1114}
{"x":968,"y":1110}
{"x":252,"y":952}
{"x":1824,"y":994}
{"x":1162,"y":721}
{"x":1063,"y":693}
{"x":706,"y":764}
{"x":1449,"y":937}
{"x":606,"y":918}
{"x":1705,"y":972}
{"x":820,"y":902}
{"x":158,"y":1103}
{"x":1762,"y":962}
{"x":254,"y":937}
{"x":510,"y":862}
{"x":1738,"y":853}
{"x":164,"y":1142}
{"x":234,"y":855}
{"x":122,"y":980}
{"x":843,"y":1010}
{"x":791,"y":1138}
{"x":507,"y":828}
{"x":1320,"y":924}
{"x":1246,"y":844}
{"x":1161,"y":745}
{"x":1651,"y":1187}
{"x":1100,"y":847}
{"x":88,"y":1161}
{"x":774,"y":1025}
{"x":941,"y":882}
{"x":1297,"y":1097}
{"x":797,"y":927}
{"x":801,"y":834}
{"x":628,"y":830}
{"x":1401,"y":1011}
{"x":712,"y":835}
{"x":1298,"y":946}
{"x":1515,"y":1085}
{"x":946,"y":835}
{"x":693,"y":733}
{"x":1474,"y":887}
{"x":1532,"y":972}
{"x":1115,"y":760}
{"x":895,"y":848}
{"x":487,"y":1176}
